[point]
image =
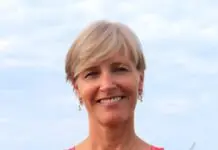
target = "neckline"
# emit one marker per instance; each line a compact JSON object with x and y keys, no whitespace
{"x":151,"y":148}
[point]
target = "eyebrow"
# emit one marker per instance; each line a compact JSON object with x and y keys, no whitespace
{"x":90,"y":68}
{"x":119,"y":64}
{"x":113,"y":64}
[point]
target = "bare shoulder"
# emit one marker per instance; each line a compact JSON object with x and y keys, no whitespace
{"x":81,"y":146}
{"x":156,"y":148}
{"x":143,"y":145}
{"x":146,"y":146}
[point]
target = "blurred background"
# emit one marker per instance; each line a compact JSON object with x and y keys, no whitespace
{"x":38,"y":110}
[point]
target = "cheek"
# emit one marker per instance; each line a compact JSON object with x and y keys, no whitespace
{"x":130,"y":86}
{"x":87,"y":93}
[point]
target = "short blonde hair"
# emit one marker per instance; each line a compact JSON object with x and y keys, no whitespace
{"x":98,"y":41}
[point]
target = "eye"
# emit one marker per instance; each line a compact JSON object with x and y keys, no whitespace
{"x":121,"y":69}
{"x":91,"y":74}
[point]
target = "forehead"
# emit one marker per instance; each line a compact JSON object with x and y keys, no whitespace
{"x":118,"y":57}
{"x":96,"y":58}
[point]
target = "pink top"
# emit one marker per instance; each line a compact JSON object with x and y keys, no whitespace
{"x":152,"y":148}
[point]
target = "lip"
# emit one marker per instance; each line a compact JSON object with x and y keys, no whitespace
{"x":98,"y":101}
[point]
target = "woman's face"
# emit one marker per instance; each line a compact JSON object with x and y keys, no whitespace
{"x":109,"y":89}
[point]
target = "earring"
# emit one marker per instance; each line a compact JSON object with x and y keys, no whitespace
{"x":140,"y":98}
{"x":79,"y":107}
{"x":80,"y":104}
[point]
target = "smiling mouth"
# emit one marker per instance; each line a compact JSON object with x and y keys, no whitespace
{"x":110,"y":100}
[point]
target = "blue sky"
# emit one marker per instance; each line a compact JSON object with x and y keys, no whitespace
{"x":180,"y":39}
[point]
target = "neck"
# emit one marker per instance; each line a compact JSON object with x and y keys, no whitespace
{"x":117,"y":137}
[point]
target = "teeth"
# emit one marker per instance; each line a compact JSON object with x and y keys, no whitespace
{"x":111,"y":100}
{"x":115,"y":99}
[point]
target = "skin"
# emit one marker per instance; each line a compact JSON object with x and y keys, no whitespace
{"x":111,"y":126}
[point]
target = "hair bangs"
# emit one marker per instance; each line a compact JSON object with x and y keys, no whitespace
{"x":99,"y":41}
{"x":102,"y":47}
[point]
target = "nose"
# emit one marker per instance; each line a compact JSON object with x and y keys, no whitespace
{"x":107,"y":82}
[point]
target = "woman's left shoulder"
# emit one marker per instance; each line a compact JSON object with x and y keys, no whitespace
{"x":73,"y":148}
{"x":156,"y":148}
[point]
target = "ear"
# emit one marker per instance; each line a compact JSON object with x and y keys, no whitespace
{"x":141,"y":82}
{"x":76,"y":88}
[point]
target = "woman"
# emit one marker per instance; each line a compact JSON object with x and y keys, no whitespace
{"x":106,"y":68}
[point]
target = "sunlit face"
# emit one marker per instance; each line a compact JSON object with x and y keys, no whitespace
{"x":109,"y":89}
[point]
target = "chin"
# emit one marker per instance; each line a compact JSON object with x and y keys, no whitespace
{"x":113,"y":119}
